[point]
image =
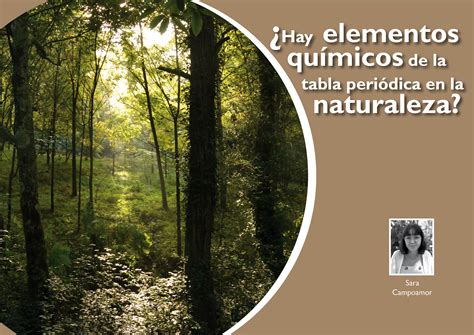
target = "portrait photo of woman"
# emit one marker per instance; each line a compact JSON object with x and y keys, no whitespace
{"x":411,"y":247}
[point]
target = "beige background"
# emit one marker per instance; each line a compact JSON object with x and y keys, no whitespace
{"x":370,"y":169}
{"x":9,"y":9}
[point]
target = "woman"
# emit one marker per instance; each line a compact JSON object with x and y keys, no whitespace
{"x":412,"y":258}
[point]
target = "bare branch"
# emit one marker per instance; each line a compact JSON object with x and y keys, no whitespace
{"x":65,"y":38}
{"x":177,"y":72}
{"x":221,"y":42}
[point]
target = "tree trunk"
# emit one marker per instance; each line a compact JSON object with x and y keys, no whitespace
{"x":113,"y":164}
{"x":177,"y":167}
{"x":178,"y":184}
{"x":201,"y":190}
{"x":165,"y":159}
{"x":44,"y":144}
{"x":3,"y":237}
{"x":90,"y":202}
{"x":10,"y":190}
{"x":67,"y":155}
{"x":48,"y":153}
{"x":221,"y":171}
{"x":98,"y":67}
{"x":176,"y":154}
{"x":164,"y":198}
{"x":53,"y":133}
{"x":269,"y":230}
{"x":79,"y":196}
{"x":2,"y":142}
{"x":36,"y":258}
{"x":75,"y":78}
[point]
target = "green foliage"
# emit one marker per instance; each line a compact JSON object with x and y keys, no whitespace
{"x":164,"y":25}
{"x":156,"y":21}
{"x":172,"y":6}
{"x":177,"y":11}
{"x":14,"y":300}
{"x":132,"y":280}
{"x":242,"y":279}
{"x":59,"y":256}
{"x":196,"y":22}
{"x":104,"y":293}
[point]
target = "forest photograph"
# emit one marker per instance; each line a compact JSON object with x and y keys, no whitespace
{"x":153,"y":171}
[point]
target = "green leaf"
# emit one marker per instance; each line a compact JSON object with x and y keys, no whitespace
{"x":172,"y":6}
{"x":164,"y":25}
{"x":178,"y":22}
{"x":196,"y":23}
{"x":148,"y":11}
{"x":156,"y":20}
{"x":180,"y":4}
{"x":189,"y":11}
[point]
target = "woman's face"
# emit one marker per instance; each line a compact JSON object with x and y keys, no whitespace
{"x":413,"y":241}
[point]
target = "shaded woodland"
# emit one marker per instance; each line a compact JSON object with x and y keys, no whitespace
{"x":152,"y":170}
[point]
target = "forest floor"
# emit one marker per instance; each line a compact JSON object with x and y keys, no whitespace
{"x":137,"y":269}
{"x":128,"y":215}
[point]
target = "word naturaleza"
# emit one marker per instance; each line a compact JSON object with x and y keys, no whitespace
{"x":402,"y":105}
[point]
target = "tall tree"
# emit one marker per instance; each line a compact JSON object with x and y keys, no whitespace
{"x":98,"y":64}
{"x":81,"y":156}
{"x":269,"y":229}
{"x":144,"y":82}
{"x":36,"y":258}
{"x":75,"y":78}
{"x":224,"y":29}
{"x":54,"y":117}
{"x":175,"y":116}
{"x":11,"y":175}
{"x":201,"y":190}
{"x":3,"y":236}
{"x":174,"y":112}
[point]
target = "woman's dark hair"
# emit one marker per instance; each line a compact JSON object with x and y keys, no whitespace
{"x":411,"y":230}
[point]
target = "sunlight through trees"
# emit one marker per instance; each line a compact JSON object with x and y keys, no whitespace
{"x":152,"y":170}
